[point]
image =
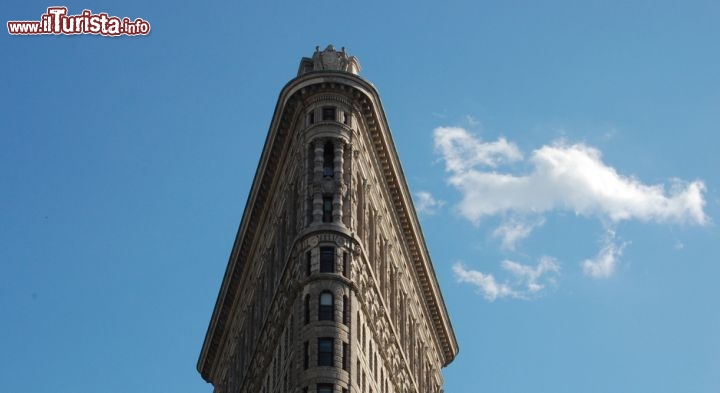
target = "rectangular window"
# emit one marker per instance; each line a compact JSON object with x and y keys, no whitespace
{"x":346,"y":311}
{"x":328,"y":113}
{"x":326,"y":309}
{"x":325,"y":351}
{"x":329,"y":160}
{"x":345,"y":359}
{"x":346,"y":265}
{"x":370,"y":356}
{"x":308,"y":263}
{"x":311,"y":118}
{"x":327,"y":209}
{"x":307,"y":309}
{"x":325,"y":388}
{"x":364,"y":337}
{"x":327,"y":260}
{"x":306,"y":356}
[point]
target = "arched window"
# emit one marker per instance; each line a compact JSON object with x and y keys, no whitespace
{"x":326,"y":311}
{"x":307,"y":309}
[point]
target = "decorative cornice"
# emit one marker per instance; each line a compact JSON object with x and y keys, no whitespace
{"x":408,"y":220}
{"x":329,"y":60}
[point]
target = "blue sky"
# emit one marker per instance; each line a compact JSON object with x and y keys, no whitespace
{"x":563,"y":155}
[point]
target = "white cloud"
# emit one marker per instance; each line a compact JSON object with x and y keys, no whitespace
{"x":605,"y":262}
{"x":527,"y":281}
{"x":426,"y":203}
{"x":565,"y":177}
{"x":531,"y":277}
{"x":462,"y":151}
{"x":513,"y":230}
{"x":485,"y":283}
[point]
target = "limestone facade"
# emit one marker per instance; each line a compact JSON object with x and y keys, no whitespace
{"x":329,"y":286}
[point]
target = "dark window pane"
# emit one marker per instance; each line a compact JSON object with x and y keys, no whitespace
{"x":327,"y":209}
{"x":325,"y":351}
{"x":346,"y":310}
{"x":307,"y":309}
{"x":308,"y":263}
{"x":327,"y":260}
{"x":306,"y":356}
{"x":328,"y":113}
{"x":328,"y":160}
{"x":325,"y":388}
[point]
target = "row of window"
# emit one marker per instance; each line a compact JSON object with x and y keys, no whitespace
{"x":329,"y":113}
{"x":324,"y":388}
{"x":326,"y":353}
{"x":328,"y":171}
{"x":326,"y":308}
{"x":327,"y":260}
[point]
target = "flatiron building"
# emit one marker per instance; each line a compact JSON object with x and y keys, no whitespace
{"x":329,"y":286}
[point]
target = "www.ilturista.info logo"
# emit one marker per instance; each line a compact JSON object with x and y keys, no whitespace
{"x":57,"y":21}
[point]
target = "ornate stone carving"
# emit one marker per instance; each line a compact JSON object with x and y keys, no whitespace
{"x":313,"y":241}
{"x":331,"y":60}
